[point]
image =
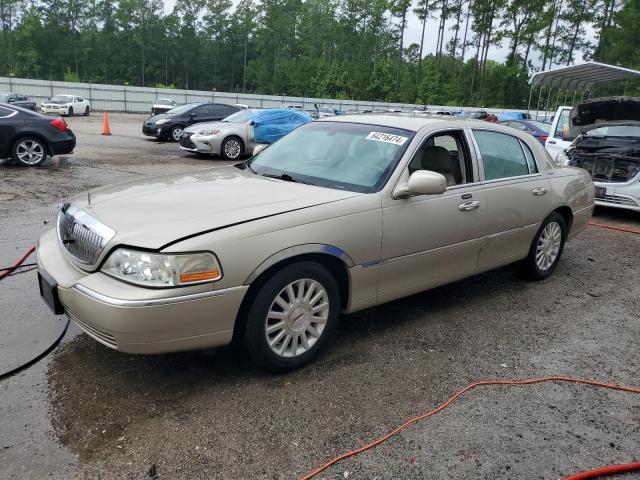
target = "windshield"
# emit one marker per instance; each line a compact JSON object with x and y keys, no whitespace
{"x":243,"y":116}
{"x":182,"y":109}
{"x":60,"y":98}
{"x":616,"y":131}
{"x":346,"y":156}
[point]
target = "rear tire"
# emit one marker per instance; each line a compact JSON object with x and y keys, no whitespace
{"x":292,"y":316}
{"x":29,"y":152}
{"x":546,"y":249}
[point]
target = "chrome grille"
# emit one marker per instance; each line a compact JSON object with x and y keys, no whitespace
{"x":81,"y":235}
{"x":619,"y":200}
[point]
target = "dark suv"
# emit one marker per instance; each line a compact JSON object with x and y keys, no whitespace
{"x":169,"y":125}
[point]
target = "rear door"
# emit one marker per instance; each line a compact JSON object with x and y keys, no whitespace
{"x":517,"y":196}
{"x":222,"y":111}
{"x":8,"y":120}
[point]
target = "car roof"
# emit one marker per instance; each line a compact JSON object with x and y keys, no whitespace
{"x":405,"y":121}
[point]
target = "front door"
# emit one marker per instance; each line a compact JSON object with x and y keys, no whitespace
{"x":558,"y":141}
{"x":430,"y":240}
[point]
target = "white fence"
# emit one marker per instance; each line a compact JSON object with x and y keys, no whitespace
{"x":119,"y":98}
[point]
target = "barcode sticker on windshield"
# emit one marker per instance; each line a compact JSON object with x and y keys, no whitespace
{"x":387,"y":138}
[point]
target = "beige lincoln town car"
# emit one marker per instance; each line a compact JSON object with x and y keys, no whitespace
{"x":339,"y":215}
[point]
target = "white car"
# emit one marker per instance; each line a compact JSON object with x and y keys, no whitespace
{"x":66,"y":105}
{"x":558,"y":140}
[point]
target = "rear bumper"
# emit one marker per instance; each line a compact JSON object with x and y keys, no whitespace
{"x":62,"y":147}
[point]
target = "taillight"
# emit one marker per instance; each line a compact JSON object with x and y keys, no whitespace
{"x":543,"y":138}
{"x":59,"y":124}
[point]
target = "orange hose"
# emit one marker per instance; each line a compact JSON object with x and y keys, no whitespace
{"x":452,"y":399}
{"x":18,"y":262}
{"x":602,"y":471}
{"x":612,"y":227}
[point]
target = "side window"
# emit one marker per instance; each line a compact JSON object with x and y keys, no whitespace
{"x":205,"y":111}
{"x":562,"y":127}
{"x":531,"y":162}
{"x":502,"y":155}
{"x":223,"y":110}
{"x":444,"y":153}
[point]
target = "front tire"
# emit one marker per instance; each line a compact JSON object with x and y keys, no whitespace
{"x":232,"y":148}
{"x":70,"y":112}
{"x":86,"y":111}
{"x":292,"y":317}
{"x":29,"y":152}
{"x":175,"y":133}
{"x":546,"y":248}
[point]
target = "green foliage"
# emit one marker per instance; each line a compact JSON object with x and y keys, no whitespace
{"x":347,"y":49}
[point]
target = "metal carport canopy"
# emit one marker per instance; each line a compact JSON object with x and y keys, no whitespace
{"x":581,"y":77}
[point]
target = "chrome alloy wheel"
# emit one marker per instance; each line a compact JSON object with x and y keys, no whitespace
{"x":297,"y":317}
{"x":232,"y":148}
{"x":30,"y":152}
{"x":548,"y":246}
{"x":176,"y":133}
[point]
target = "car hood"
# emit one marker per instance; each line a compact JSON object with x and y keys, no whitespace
{"x":602,"y":112}
{"x":155,"y":118}
{"x":48,"y":102}
{"x":153,"y":212}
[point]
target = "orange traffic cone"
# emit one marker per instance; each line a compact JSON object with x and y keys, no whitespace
{"x":105,"y":125}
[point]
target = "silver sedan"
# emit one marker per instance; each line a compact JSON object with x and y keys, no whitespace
{"x":231,"y":138}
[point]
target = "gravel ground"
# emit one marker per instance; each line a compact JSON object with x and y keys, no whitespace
{"x":89,"y":412}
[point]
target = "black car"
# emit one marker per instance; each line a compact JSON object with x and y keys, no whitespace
{"x":169,"y":125}
{"x":18,"y":100}
{"x":29,"y":137}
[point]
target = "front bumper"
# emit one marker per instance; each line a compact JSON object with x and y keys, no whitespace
{"x":140,"y":320}
{"x":63,"y":110}
{"x":625,"y":196}
{"x":200,"y":143}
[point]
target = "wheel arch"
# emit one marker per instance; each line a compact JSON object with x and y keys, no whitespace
{"x":567,"y":214}
{"x":333,"y":258}
{"x":29,"y":134}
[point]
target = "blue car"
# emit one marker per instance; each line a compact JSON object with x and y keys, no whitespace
{"x":537,"y":129}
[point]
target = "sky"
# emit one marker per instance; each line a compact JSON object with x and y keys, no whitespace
{"x":414,"y":30}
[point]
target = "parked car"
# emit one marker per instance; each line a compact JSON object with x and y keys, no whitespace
{"x":66,"y":105}
{"x":169,"y":125}
{"x":539,"y":130}
{"x":607,"y":145}
{"x":162,"y":105}
{"x":339,"y":215}
{"x":559,"y":139}
{"x":238,"y":134}
{"x":322,"y":111}
{"x":18,"y":100}
{"x":28,"y":137}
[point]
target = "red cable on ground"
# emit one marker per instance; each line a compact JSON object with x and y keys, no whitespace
{"x":457,"y":395}
{"x":18,"y":262}
{"x":612,"y":227}
{"x":602,"y":471}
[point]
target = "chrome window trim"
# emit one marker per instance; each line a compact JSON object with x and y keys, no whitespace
{"x":481,"y":164}
{"x":119,"y":302}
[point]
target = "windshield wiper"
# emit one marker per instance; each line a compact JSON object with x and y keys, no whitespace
{"x":286,"y":177}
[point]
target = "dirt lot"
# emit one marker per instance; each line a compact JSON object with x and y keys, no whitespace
{"x":89,"y":412}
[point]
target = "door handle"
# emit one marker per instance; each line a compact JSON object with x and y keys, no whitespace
{"x":553,"y":142}
{"x":539,"y":191}
{"x":468,"y":206}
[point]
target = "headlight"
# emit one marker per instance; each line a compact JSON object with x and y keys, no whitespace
{"x":162,"y":121}
{"x":208,"y":132}
{"x":162,"y":270}
{"x":562,"y":159}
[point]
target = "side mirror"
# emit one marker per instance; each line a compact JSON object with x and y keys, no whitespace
{"x":422,"y":182}
{"x":259,"y":147}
